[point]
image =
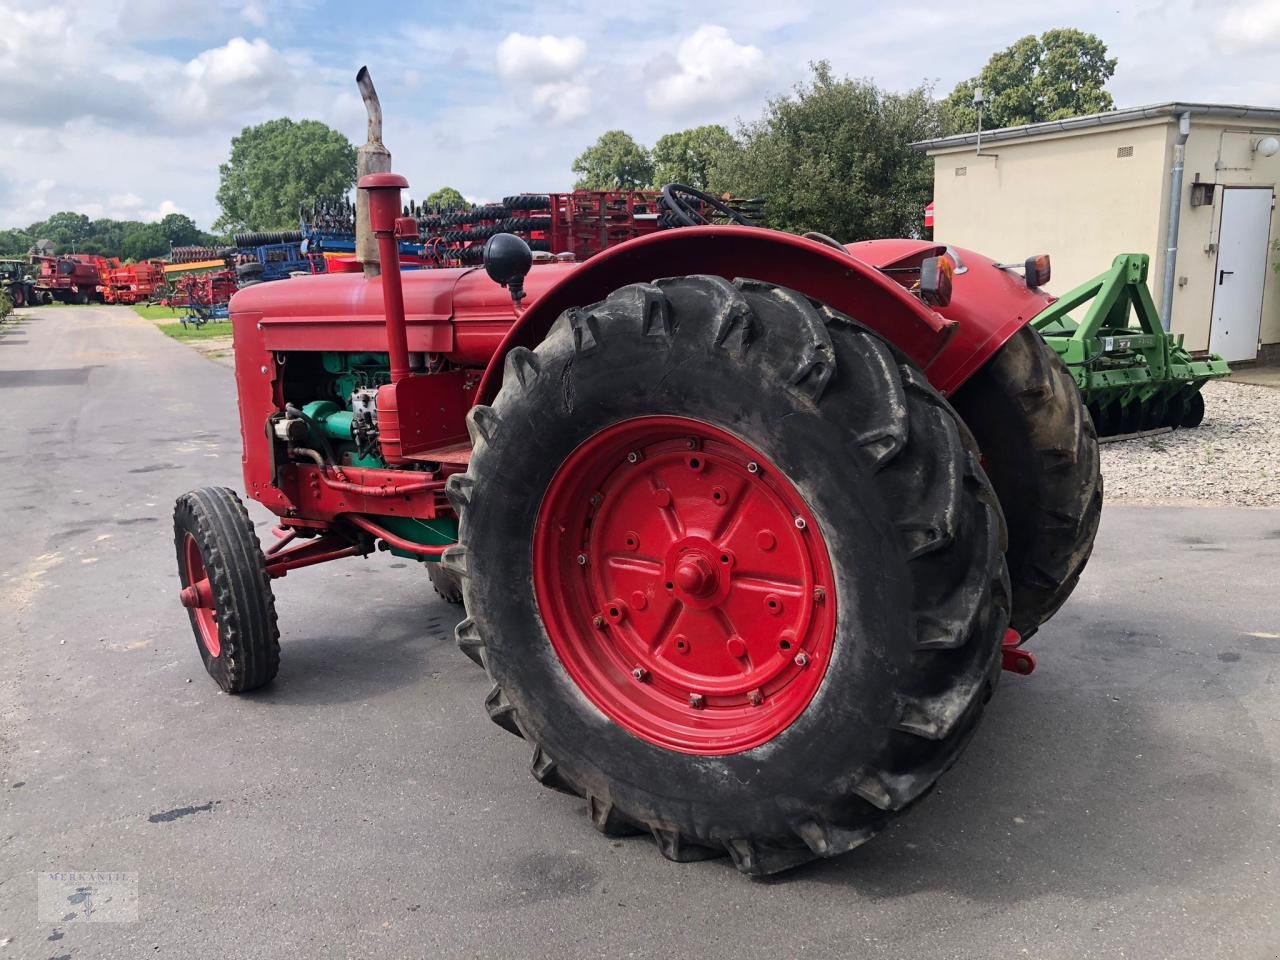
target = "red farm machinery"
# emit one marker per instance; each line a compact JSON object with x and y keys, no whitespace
{"x":746,"y":524}
{"x":134,"y":282}
{"x":72,"y":278}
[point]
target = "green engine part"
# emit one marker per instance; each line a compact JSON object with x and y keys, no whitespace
{"x":1132,"y":375}
{"x":335,"y":423}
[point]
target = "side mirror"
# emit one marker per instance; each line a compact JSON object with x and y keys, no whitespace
{"x":507,"y":260}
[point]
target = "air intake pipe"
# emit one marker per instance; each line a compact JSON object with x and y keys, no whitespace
{"x":382,"y":194}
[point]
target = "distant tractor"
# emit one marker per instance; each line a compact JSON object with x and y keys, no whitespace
{"x":745,"y":524}
{"x":14,"y":281}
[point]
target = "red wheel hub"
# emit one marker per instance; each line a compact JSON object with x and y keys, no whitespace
{"x":197,"y":596}
{"x":684,"y":585}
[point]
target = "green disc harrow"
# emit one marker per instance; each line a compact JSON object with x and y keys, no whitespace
{"x":1132,"y":375}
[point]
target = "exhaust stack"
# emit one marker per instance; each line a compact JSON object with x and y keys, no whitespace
{"x":371,"y":158}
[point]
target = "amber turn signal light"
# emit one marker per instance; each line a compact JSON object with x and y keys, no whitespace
{"x":1037,"y":270}
{"x":935,"y":281}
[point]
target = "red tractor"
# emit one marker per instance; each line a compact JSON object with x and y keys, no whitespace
{"x":746,"y":524}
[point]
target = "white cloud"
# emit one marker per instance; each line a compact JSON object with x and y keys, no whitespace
{"x":125,"y":201}
{"x":238,"y":61}
{"x":544,"y":58}
{"x":1250,"y":26}
{"x":563,"y":102}
{"x":711,"y":70}
{"x":254,"y":14}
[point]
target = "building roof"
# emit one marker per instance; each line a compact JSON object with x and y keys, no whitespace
{"x":1111,"y":117}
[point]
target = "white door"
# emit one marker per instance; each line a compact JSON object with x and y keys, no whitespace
{"x":1241,"y":272}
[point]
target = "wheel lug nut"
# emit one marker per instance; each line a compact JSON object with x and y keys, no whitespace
{"x":800,"y":524}
{"x":756,"y":698}
{"x":753,"y":467}
{"x":696,"y":700}
{"x":819,"y":595}
{"x":633,"y":457}
{"x":598,"y":622}
{"x":640,"y":673}
{"x":802,"y":659}
{"x":582,"y":559}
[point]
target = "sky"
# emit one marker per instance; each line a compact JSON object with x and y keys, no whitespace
{"x":125,"y":108}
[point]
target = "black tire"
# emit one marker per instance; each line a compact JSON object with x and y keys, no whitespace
{"x":81,"y":298}
{"x":445,"y":583}
{"x":18,"y":295}
{"x":1193,"y":410}
{"x":1041,"y":452}
{"x":245,"y":612}
{"x":249,"y":269}
{"x":911,"y":525}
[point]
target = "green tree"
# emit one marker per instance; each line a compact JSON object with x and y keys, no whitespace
{"x":446,"y":198}
{"x":698,"y":157}
{"x":276,"y":166}
{"x":147,"y":241}
{"x":14,"y":243}
{"x":835,"y":156}
{"x":68,"y":230}
{"x":614,"y":162}
{"x":181,"y":231}
{"x":1061,"y":73}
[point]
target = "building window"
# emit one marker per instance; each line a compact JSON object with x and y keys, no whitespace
{"x":961,"y":171}
{"x":1123,"y":152}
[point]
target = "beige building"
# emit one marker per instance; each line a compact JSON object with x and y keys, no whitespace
{"x":1088,"y":188}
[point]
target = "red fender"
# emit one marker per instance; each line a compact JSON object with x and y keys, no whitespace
{"x":842,"y":282}
{"x":988,"y":304}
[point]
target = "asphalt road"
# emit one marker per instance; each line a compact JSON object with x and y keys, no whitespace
{"x":1122,"y":802}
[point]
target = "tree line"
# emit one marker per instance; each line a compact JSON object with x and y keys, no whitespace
{"x":71,"y":232}
{"x":833,"y":155}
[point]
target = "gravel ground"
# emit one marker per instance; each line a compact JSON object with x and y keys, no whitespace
{"x":1231,"y":458}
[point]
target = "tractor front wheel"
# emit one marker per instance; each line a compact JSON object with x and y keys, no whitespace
{"x":734,"y":572}
{"x":446,"y":584}
{"x":225,"y":589}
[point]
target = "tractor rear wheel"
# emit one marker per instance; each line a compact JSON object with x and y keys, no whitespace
{"x":1041,"y":452}
{"x":732,"y":569}
{"x":226,"y":589}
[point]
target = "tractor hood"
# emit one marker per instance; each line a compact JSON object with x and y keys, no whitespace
{"x":455,"y":311}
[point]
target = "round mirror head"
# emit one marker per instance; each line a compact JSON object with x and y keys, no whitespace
{"x":507,"y":259}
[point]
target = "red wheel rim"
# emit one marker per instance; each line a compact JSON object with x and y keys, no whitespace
{"x":206,"y":626}
{"x":684,"y":585}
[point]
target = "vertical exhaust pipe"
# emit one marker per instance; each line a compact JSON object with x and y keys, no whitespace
{"x":371,"y":158}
